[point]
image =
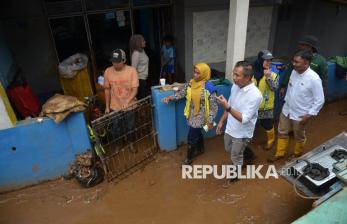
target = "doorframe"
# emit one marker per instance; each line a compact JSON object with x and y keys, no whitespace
{"x":84,"y":13}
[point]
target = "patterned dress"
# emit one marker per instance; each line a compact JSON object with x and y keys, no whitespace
{"x":198,"y":121}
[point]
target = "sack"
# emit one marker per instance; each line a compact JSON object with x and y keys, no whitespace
{"x":58,"y":107}
{"x":24,"y":101}
{"x":73,"y":64}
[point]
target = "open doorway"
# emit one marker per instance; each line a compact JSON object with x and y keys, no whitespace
{"x":109,"y":31}
{"x":102,"y":27}
{"x":153,"y":24}
{"x":70,"y":36}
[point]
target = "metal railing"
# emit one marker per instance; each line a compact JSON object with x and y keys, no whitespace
{"x":127,"y":138}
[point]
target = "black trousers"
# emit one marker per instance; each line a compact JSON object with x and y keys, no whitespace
{"x":142,"y":91}
{"x":194,"y":136}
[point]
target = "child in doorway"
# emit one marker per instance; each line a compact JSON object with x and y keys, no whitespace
{"x":201,"y":108}
{"x":168,"y":57}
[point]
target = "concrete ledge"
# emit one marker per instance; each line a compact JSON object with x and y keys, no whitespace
{"x":33,"y":152}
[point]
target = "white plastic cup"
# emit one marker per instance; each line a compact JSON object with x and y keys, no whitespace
{"x":162,"y":82}
{"x":101,"y":80}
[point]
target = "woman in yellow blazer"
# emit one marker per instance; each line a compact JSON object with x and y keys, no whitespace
{"x":266,"y":79}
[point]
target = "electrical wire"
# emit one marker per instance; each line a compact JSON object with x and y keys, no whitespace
{"x":297,"y":179}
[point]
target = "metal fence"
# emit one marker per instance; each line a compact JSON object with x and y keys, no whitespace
{"x":128,"y":139}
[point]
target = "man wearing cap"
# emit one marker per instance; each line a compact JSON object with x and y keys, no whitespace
{"x":121,"y":83}
{"x":303,"y":100}
{"x":318,"y":63}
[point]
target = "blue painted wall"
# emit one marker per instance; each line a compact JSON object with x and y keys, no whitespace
{"x":181,"y":123}
{"x":34,"y":152}
{"x":164,"y":119}
{"x":170,"y":123}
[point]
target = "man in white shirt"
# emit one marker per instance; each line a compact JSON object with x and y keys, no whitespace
{"x":241,"y":110}
{"x":303,"y":100}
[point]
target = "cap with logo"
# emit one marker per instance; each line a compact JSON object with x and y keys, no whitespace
{"x":267,"y":55}
{"x":118,"y":56}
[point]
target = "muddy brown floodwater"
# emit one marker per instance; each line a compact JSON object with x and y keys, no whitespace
{"x":157,"y":194}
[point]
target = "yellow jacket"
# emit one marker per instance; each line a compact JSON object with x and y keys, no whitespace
{"x":268,"y":95}
{"x":209,"y":88}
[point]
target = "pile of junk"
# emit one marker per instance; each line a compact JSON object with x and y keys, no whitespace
{"x":86,"y":169}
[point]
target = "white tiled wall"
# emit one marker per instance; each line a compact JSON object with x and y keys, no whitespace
{"x":210,"y":30}
{"x":258,"y":30}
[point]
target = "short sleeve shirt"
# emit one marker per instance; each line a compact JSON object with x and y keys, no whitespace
{"x":120,"y":84}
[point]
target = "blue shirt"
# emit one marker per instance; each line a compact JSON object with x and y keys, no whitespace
{"x":169,"y":54}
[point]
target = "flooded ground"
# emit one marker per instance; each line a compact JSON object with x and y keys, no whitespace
{"x":158,"y":194}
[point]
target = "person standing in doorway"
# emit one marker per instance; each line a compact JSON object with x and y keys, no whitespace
{"x":139,"y":60}
{"x":168,"y":57}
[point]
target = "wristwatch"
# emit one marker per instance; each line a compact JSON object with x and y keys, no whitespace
{"x":228,"y":109}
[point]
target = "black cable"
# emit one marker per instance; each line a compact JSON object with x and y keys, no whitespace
{"x":297,"y":179}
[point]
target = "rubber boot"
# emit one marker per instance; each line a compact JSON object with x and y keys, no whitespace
{"x":190,"y":152}
{"x":299,"y":146}
{"x":282,"y":144}
{"x":270,"y":139}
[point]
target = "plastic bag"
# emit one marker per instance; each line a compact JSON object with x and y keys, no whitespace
{"x":25,"y":102}
{"x":72,"y":65}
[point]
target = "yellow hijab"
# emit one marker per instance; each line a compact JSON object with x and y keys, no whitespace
{"x":205,"y":74}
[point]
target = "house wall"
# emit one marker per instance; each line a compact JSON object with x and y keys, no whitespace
{"x":210,"y":33}
{"x":6,"y":61}
{"x":35,"y":151}
{"x":258,"y":29}
{"x":27,"y":33}
{"x":205,"y":33}
{"x":179,"y":31}
{"x":191,"y":7}
{"x":324,"y":19}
